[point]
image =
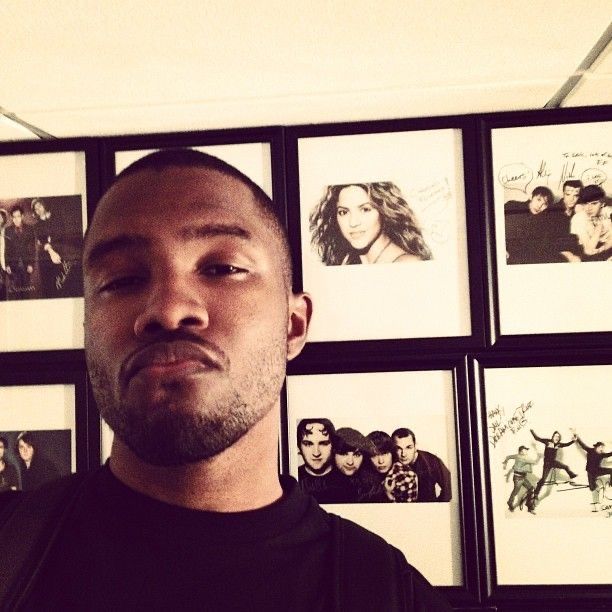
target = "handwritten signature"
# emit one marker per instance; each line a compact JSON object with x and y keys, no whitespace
{"x":499,"y":425}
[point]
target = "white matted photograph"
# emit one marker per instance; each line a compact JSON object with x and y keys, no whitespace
{"x":549,"y":441}
{"x":37,"y":434}
{"x":552,"y":190}
{"x":43,"y":215}
{"x":380,"y":449}
{"x":383,"y":235}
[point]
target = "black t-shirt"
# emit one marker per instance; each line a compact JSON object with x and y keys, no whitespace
{"x":121,"y":550}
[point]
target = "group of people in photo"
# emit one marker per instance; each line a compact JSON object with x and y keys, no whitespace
{"x":576,"y":227}
{"x":527,"y":487}
{"x":39,"y":252}
{"x":31,"y":469}
{"x":344,"y":466}
{"x":366,"y":223}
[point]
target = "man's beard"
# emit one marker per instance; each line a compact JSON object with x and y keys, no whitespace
{"x":182,"y":428}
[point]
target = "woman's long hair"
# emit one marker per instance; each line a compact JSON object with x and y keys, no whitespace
{"x":398,"y":222}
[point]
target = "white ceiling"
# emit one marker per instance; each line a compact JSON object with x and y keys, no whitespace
{"x":93,"y":67}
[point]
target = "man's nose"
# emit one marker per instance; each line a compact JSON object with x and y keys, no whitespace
{"x":171,"y":304}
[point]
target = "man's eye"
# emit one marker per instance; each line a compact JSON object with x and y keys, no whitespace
{"x":123,"y":283}
{"x":221,"y":270}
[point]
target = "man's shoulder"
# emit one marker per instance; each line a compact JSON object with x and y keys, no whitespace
{"x":516,"y":206}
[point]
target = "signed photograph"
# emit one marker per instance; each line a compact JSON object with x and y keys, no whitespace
{"x":381,"y":449}
{"x":549,"y":446}
{"x":37,"y":434}
{"x":43,"y":217}
{"x":41,"y":244}
{"x":552,"y":190}
{"x":383,"y":233}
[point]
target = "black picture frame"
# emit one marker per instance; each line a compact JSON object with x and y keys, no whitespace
{"x":509,"y":170}
{"x":453,"y":369}
{"x":543,"y":559}
{"x":45,"y":394}
{"x":354,"y":139}
{"x":267,"y":136}
{"x":45,"y":169}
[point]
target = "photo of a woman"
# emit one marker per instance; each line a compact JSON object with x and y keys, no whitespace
{"x":366,"y":223}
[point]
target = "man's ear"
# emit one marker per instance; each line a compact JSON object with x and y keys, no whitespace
{"x":300,"y":311}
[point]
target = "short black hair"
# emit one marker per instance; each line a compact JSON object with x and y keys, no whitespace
{"x":17,"y":208}
{"x":404,"y":432}
{"x":191,"y":158}
{"x":302,"y":428}
{"x":591,"y":193}
{"x":26,"y":437}
{"x":544,"y":192}
{"x":574,"y":183}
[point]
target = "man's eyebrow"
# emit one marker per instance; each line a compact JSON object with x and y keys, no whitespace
{"x":123,"y":242}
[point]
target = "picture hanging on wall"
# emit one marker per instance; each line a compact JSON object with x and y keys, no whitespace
{"x":382,"y":231}
{"x":37,"y":434}
{"x":551,"y":188}
{"x":548,"y":460}
{"x":380,"y":448}
{"x":43,"y":216}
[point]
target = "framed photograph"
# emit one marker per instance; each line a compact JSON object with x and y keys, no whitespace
{"x":386,"y":193}
{"x":382,"y":448}
{"x":549,"y":185}
{"x":257,"y":152}
{"x":547,"y":456}
{"x":43,"y":425}
{"x":43,"y":215}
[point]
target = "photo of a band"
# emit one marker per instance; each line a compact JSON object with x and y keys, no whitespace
{"x":529,"y":491}
{"x":344,"y":466}
{"x":574,"y":226}
{"x":40,"y":248}
{"x":30,"y":459}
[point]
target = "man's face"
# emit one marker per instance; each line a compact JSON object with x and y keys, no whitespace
{"x":1,"y":450}
{"x":188,"y":320}
{"x":25,"y":451}
{"x":593,"y":207}
{"x":599,"y":449}
{"x":39,"y":209}
{"x":316,"y":449}
{"x":17,"y":218}
{"x":538,"y":204}
{"x":570,"y":196}
{"x":382,"y":463}
{"x":349,"y":463}
{"x":405,"y":450}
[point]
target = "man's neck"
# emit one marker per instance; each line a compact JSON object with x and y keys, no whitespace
{"x":243,"y":477}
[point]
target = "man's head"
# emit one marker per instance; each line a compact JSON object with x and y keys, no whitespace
{"x":39,"y":208}
{"x":26,"y":446}
{"x":381,"y":455}
{"x":571,"y":193}
{"x":541,"y":199}
{"x":189,"y":313}
{"x":3,"y":445}
{"x":3,"y":218}
{"x":314,"y":438}
{"x":405,"y":447}
{"x":556,"y":437}
{"x":599,"y":447}
{"x":522,"y":450}
{"x":593,"y":198}
{"x":17,"y":215}
{"x":350,"y":446}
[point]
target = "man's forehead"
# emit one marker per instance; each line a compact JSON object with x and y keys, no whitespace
{"x":316,"y":428}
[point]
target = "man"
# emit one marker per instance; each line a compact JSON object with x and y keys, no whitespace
{"x":189,"y":321}
{"x":595,"y":455}
{"x":522,"y":470}
{"x":560,"y":215}
{"x":592,"y":225}
{"x":531,"y":232}
{"x":20,"y":251}
{"x":569,"y":200}
{"x":3,"y":224}
{"x":551,"y":448}
{"x":433,"y":477}
{"x":48,"y":230}
{"x":318,"y":476}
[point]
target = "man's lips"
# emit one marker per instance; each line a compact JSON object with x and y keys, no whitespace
{"x":179,"y":356}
